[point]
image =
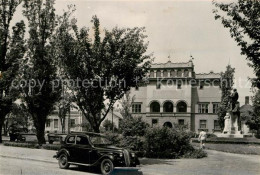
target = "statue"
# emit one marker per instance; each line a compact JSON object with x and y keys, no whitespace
{"x":233,"y":101}
{"x":227,"y":126}
{"x":234,"y":112}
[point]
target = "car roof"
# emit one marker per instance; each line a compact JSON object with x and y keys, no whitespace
{"x":86,"y":133}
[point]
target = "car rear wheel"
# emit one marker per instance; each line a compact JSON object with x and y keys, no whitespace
{"x":106,"y":166}
{"x":63,"y":161}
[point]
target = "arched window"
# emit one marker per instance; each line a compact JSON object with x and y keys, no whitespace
{"x":155,"y":107}
{"x":167,"y":124}
{"x":168,"y":107}
{"x":182,"y":107}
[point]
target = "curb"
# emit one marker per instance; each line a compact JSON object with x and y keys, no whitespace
{"x":23,"y":158}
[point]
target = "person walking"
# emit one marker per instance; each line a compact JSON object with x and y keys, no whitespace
{"x":202,"y":138}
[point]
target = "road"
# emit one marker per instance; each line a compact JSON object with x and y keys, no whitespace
{"x":15,"y":161}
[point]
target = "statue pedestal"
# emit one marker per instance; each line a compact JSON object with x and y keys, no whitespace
{"x":231,"y":127}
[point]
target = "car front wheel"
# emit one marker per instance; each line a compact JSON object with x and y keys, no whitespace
{"x":63,"y":161}
{"x":106,"y":166}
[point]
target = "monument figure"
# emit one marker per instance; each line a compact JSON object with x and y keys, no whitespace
{"x":233,"y":100}
{"x":234,"y":112}
{"x":227,"y":126}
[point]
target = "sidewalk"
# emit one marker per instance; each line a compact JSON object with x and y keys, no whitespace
{"x":28,"y":154}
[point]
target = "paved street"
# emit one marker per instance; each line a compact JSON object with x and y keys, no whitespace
{"x":15,"y":161}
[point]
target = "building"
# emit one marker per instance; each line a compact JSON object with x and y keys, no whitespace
{"x":77,"y":121}
{"x":175,"y":94}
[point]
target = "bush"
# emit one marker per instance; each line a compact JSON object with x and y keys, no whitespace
{"x":17,"y":144}
{"x":133,"y":126}
{"x":168,"y":143}
{"x":115,"y":138}
{"x":196,"y":154}
{"x":109,"y":126}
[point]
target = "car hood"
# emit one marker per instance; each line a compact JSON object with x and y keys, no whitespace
{"x":108,"y":148}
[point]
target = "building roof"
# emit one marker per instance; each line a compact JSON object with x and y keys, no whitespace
{"x":207,"y":75}
{"x":169,"y":64}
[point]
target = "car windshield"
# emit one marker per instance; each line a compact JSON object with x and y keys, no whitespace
{"x":99,"y":140}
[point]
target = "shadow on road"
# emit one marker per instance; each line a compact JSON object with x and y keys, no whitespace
{"x":117,"y":171}
{"x":156,"y":161}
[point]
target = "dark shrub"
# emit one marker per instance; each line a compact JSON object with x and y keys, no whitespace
{"x":133,"y":126}
{"x":167,"y":143}
{"x":17,"y":144}
{"x":115,"y":138}
{"x":195,"y":153}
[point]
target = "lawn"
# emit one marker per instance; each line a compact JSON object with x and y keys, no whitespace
{"x":233,"y":148}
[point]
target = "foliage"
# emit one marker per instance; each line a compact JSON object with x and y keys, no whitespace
{"x":38,"y":65}
{"x":195,"y":154}
{"x":105,"y":67}
{"x":126,"y":103}
{"x":254,"y":121}
{"x":227,"y":81}
{"x":243,"y":20}
{"x":109,"y":126}
{"x":133,"y":126}
{"x":19,"y":115}
{"x":115,"y":138}
{"x":64,"y":106}
{"x":167,"y":143}
{"x":17,"y":144}
{"x":12,"y":49}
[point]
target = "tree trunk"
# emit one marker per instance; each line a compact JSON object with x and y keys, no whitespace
{"x":96,"y":128}
{"x":39,"y":123}
{"x":2,"y":119}
{"x":40,"y":133}
{"x":1,"y":133}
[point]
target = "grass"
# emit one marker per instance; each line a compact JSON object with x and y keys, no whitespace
{"x":233,"y":148}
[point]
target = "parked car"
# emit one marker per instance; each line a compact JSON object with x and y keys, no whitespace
{"x":92,"y":149}
{"x":15,"y":133}
{"x":52,"y":137}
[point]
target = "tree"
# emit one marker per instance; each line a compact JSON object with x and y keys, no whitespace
{"x":227,"y":81}
{"x":102,"y":69}
{"x":39,"y":71}
{"x":64,"y":105}
{"x":126,"y":103}
{"x":20,"y":115}
{"x":243,"y":20}
{"x":11,"y":51}
{"x":254,"y":121}
{"x":109,"y":126}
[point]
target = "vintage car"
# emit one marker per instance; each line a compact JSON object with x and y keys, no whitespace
{"x":92,"y":149}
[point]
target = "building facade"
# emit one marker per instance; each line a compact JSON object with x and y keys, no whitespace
{"x":75,"y":121}
{"x":175,"y":95}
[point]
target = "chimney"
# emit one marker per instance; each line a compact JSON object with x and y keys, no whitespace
{"x":247,"y":100}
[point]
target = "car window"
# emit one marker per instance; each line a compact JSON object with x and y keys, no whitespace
{"x":71,"y":139}
{"x":82,"y":140}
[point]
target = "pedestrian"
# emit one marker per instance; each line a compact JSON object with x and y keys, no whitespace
{"x":202,"y":138}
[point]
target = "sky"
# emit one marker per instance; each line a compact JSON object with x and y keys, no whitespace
{"x":176,"y":28}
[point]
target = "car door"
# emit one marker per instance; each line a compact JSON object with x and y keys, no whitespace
{"x":83,"y":149}
{"x":70,"y":146}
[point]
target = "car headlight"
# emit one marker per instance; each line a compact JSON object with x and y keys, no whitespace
{"x":120,"y":154}
{"x":133,"y":154}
